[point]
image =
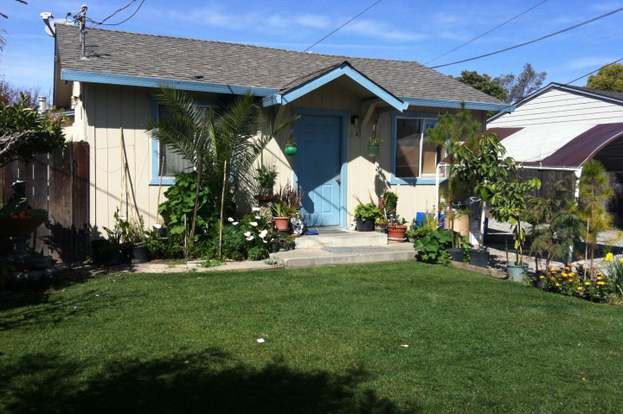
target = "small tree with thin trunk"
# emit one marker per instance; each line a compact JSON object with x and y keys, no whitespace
{"x":595,"y":192}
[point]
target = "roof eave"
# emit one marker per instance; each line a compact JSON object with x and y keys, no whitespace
{"x":457,"y":104}
{"x":153,"y":82}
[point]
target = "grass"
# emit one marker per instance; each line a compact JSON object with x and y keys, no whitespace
{"x":334,"y":342}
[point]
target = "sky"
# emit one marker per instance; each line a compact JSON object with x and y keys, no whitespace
{"x":394,"y":29}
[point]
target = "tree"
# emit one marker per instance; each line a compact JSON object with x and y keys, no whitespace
{"x":595,"y":192}
{"x":496,"y":183}
{"x":222,"y":144}
{"x":484,"y":83}
{"x":522,"y":85}
{"x":24,"y":132}
{"x":11,"y":95}
{"x":609,"y":78}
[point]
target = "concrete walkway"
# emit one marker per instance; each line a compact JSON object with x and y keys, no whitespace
{"x":345,"y":255}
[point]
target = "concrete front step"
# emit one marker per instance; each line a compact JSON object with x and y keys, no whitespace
{"x":342,"y":239}
{"x":344,"y":255}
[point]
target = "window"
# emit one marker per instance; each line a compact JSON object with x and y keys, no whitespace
{"x":414,"y":157}
{"x":167,"y":163}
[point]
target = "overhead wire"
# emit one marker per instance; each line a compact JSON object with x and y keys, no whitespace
{"x":480,"y":36}
{"x":342,"y":26}
{"x":104,"y":23}
{"x":529,"y":42}
{"x":594,"y":71}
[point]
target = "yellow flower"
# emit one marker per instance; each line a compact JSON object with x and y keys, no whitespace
{"x":541,"y":277}
{"x":609,"y":257}
{"x":557,"y":284}
{"x":601,"y":282}
{"x":587,"y":283}
{"x":621,"y":260}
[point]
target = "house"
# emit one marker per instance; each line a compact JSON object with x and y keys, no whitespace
{"x":340,"y":101}
{"x":557,"y":129}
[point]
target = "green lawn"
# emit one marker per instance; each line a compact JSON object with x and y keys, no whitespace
{"x":334,"y":343}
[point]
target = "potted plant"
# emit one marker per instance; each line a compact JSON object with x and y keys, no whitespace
{"x":265,"y":178}
{"x":460,"y":250}
{"x":374,"y":143}
{"x":365,"y":216}
{"x":281,"y":217}
{"x":396,"y":230}
{"x":380,"y":224}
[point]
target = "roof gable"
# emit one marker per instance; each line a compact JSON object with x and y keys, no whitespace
{"x":310,"y":83}
{"x":607,"y":96}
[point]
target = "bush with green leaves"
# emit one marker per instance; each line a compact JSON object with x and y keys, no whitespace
{"x":367,"y":211}
{"x":24,"y":132}
{"x":432,"y":244}
{"x":177,"y":210}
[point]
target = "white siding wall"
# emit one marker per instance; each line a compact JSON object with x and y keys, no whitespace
{"x":556,"y":106}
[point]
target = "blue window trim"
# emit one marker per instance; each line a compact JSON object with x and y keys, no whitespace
{"x":344,"y":117}
{"x":156,"y":179}
{"x":393,"y":180}
{"x":345,"y":69}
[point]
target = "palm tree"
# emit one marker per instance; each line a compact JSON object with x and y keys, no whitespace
{"x":222,"y":144}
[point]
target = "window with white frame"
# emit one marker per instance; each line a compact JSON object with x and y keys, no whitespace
{"x":414,"y":156}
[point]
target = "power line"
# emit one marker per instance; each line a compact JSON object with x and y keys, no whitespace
{"x":480,"y":36}
{"x":342,"y":25}
{"x":547,"y":36}
{"x":594,"y":71}
{"x":113,"y":14}
{"x":103,"y":22}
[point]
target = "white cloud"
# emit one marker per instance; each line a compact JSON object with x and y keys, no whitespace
{"x":380,"y":30}
{"x":588,"y":62}
{"x":254,"y":22}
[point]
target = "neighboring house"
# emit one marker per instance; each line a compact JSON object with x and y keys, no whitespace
{"x":560,"y":127}
{"x":340,"y":101}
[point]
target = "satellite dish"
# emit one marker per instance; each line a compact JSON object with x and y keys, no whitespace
{"x":48,"y":20}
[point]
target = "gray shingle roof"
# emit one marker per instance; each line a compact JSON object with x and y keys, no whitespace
{"x":174,"y":58}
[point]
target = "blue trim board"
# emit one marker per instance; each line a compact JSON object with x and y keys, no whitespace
{"x":343,"y":70}
{"x":452,"y":104}
{"x":150,"y":82}
{"x":345,"y":117}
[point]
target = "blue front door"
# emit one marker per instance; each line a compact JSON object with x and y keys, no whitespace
{"x":317,"y":166}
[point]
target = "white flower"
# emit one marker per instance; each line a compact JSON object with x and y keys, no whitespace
{"x":230,"y":219}
{"x":260,"y":340}
{"x":257,"y":217}
{"x":253,"y":223}
{"x":264,"y":241}
{"x":263,"y":233}
{"x":255,"y":209}
{"x":249,"y":238}
{"x":247,"y":233}
{"x":235,"y":223}
{"x":157,"y":226}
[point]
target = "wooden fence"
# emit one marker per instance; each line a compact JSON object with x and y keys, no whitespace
{"x":59,"y":183}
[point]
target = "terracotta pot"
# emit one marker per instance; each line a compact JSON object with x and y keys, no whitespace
{"x":396,"y":232}
{"x":282,"y":224}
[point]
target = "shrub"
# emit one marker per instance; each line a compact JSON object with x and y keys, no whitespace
{"x":615,"y":273}
{"x":177,"y":210}
{"x":431,"y":245}
{"x":367,"y":211}
{"x":569,"y":282}
{"x":258,"y":253}
{"x":163,"y":245}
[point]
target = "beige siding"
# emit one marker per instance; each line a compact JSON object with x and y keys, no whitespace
{"x":556,"y":106}
{"x":104,"y":109}
{"x":100,"y":115}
